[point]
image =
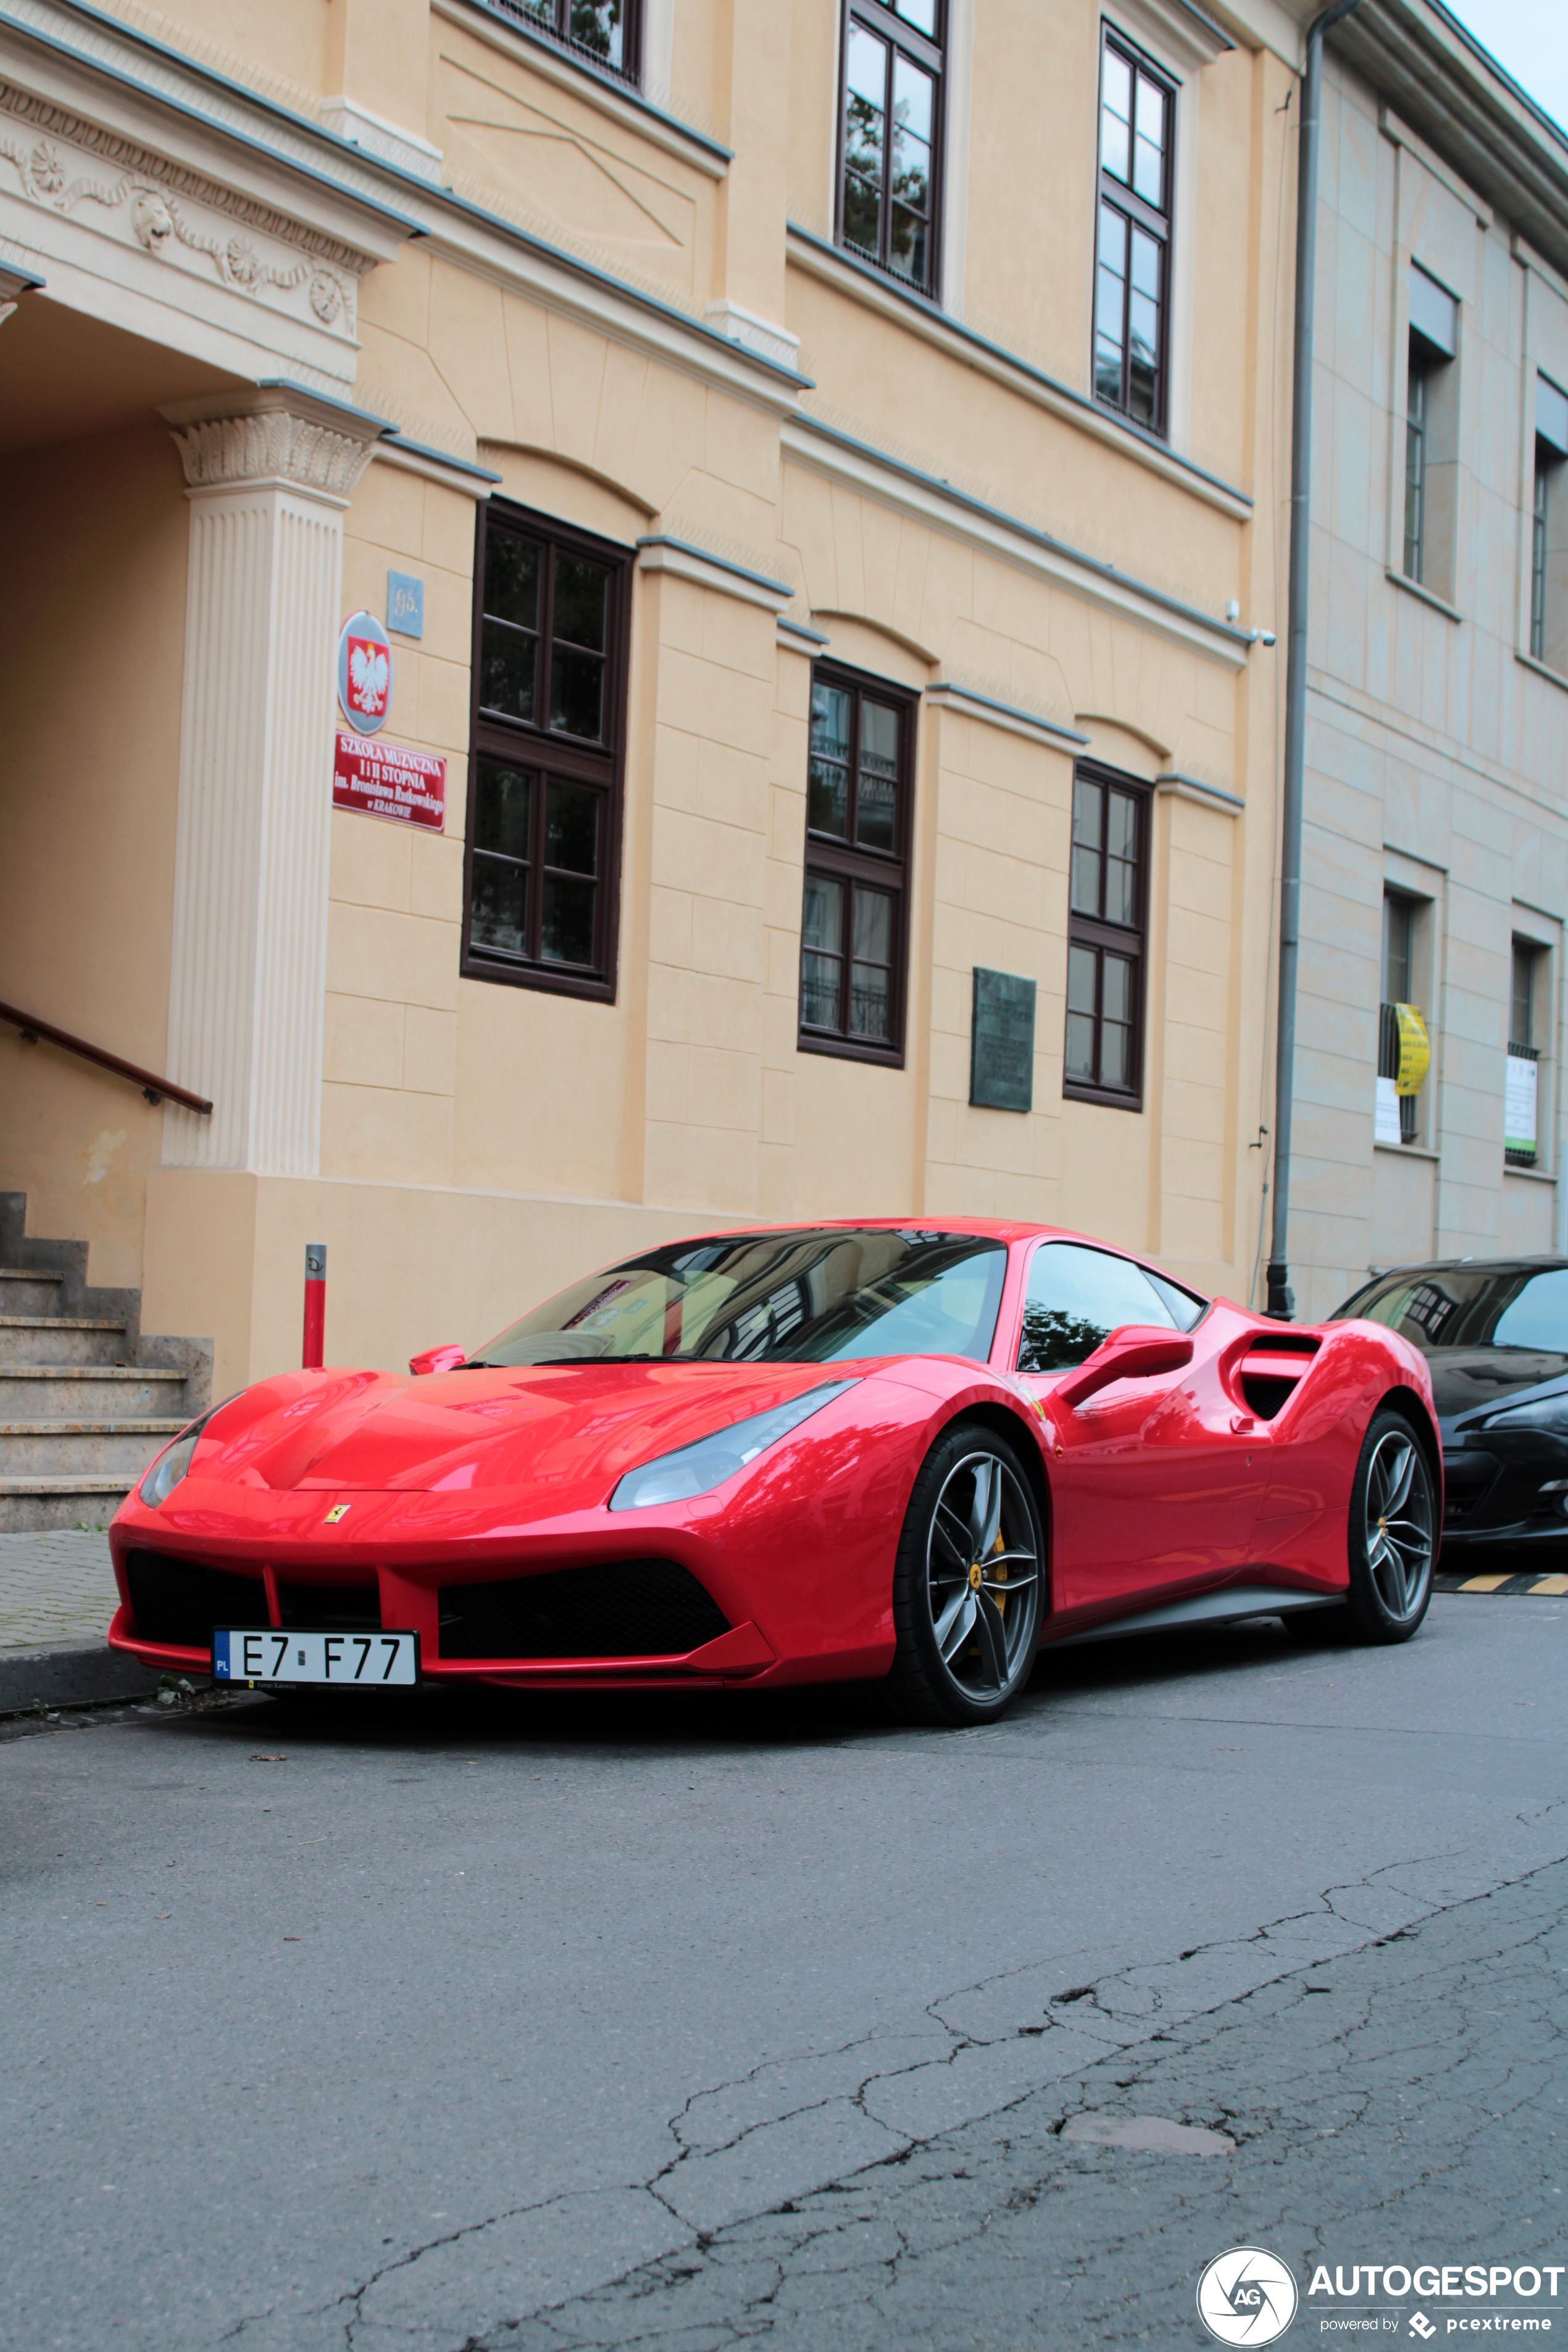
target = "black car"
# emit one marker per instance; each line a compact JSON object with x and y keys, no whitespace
{"x":1494,"y":1332}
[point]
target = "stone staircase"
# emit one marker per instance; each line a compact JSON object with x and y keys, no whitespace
{"x":85,"y":1400}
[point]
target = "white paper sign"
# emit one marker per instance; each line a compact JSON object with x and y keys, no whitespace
{"x":1386,"y":1121}
{"x":1519,"y":1105}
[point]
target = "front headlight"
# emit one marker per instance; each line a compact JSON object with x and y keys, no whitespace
{"x":1544,"y":1413}
{"x":698,"y":1469}
{"x":172,"y":1465}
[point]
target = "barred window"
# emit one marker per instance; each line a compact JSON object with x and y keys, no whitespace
{"x":606,"y":33}
{"x":890,"y":131}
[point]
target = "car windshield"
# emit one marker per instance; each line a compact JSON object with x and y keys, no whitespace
{"x":812,"y":1296}
{"x":1479,"y":1306}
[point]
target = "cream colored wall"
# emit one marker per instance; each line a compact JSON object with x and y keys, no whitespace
{"x":92,"y":597}
{"x":391,"y":1046}
{"x":481,"y":1143}
{"x":573,"y":165}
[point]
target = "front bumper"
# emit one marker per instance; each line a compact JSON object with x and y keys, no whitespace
{"x":1504,"y":1488}
{"x":698,"y":1594}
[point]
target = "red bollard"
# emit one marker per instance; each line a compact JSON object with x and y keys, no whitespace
{"x":315,"y":1303}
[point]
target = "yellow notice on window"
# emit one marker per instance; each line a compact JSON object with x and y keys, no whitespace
{"x":1415,"y":1050}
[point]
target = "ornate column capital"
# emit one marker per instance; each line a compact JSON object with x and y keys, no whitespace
{"x":277,"y":437}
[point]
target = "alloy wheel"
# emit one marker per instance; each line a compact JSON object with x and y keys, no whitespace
{"x":1399,"y":1530}
{"x":982,"y":1575}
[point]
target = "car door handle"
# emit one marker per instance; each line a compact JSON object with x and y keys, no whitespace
{"x":1241,"y":1423}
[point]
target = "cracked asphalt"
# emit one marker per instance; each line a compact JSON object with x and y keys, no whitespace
{"x":509,"y":2024}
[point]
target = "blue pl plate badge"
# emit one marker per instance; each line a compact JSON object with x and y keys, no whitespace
{"x":406,"y":603}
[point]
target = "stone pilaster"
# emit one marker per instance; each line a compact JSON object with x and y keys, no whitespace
{"x":269,"y":474}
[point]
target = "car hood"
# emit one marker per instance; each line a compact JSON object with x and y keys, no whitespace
{"x":1468,"y":1383}
{"x":567,"y":1434}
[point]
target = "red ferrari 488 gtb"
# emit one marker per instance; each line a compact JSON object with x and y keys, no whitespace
{"x":834,"y":1453}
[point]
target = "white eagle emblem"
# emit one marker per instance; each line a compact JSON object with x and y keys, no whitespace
{"x":368,"y":677}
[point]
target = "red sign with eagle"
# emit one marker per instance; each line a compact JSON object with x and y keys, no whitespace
{"x":364,"y":673}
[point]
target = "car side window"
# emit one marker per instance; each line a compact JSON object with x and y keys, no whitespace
{"x":1078,"y":1297}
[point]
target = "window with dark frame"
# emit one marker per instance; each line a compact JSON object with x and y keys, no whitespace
{"x":1522,"y":1014}
{"x":1538,"y":522}
{"x":859,"y":796}
{"x":606,"y":33}
{"x":545,"y":774}
{"x":1430,"y":436}
{"x":1548,"y":569}
{"x":1399,"y":915}
{"x":1107,"y":912}
{"x":1528,"y":960}
{"x":1132,"y":234}
{"x":1416,"y":465}
{"x":891,"y":136}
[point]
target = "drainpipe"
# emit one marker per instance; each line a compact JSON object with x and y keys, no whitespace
{"x":1282,"y":1298}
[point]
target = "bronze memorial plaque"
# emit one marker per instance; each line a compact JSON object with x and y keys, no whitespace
{"x":1001,"y":1042}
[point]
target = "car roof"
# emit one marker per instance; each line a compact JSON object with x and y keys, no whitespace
{"x":1541,"y":1265}
{"x":1000,"y":1229}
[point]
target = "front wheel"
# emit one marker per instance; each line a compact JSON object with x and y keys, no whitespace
{"x":967,"y":1582}
{"x":1392,"y":1532}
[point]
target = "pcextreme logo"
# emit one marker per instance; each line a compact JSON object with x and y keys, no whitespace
{"x":1246,"y":2296}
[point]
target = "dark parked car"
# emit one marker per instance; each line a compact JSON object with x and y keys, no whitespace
{"x":1495,"y":1334}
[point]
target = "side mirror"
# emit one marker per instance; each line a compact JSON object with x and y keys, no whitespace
{"x":1138,"y":1352}
{"x":439,"y":1360}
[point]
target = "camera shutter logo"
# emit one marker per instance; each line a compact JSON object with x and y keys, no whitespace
{"x":1246,"y":2296}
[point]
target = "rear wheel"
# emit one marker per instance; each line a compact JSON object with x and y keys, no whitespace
{"x":1392,"y":1542}
{"x":967,"y":1582}
{"x":1393,"y":1531}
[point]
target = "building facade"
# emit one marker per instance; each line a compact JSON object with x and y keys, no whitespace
{"x":1434,"y":864}
{"x":805,"y":477}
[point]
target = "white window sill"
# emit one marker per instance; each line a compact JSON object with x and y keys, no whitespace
{"x":1552,"y":677}
{"x":1424,"y":595}
{"x":1408,"y":1150}
{"x":1529,"y":1175}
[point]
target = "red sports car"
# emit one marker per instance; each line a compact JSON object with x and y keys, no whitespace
{"x":832,"y":1453}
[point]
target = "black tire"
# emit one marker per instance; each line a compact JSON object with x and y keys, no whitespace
{"x":1394,"y":1532}
{"x":965,"y":1647}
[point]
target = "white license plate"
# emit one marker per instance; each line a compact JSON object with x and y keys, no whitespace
{"x":373,"y":1661}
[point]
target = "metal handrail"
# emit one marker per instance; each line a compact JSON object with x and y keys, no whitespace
{"x":152,"y":1086}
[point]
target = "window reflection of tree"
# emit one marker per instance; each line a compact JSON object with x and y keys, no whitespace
{"x":1054,"y":1341}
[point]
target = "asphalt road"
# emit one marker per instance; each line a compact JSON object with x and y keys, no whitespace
{"x":527,"y":2026}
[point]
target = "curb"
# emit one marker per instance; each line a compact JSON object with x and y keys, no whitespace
{"x":71,"y":1673}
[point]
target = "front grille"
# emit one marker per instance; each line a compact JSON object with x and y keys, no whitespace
{"x":1468,"y":1479}
{"x":331,"y":1607}
{"x":180,"y":1602}
{"x":617,"y":1609}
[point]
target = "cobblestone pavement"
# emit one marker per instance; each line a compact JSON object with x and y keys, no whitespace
{"x":1404,"y":2105}
{"x":55,"y":1587}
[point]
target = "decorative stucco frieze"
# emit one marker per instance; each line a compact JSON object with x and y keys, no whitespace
{"x":169,"y":210}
